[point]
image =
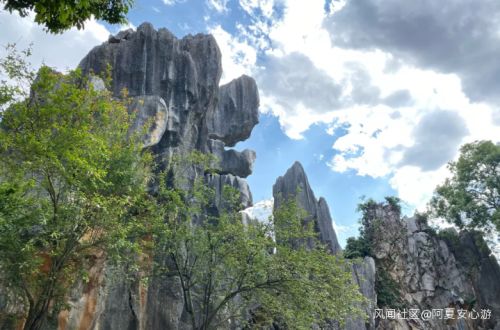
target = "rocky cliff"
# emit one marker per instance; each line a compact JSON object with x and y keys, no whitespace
{"x":294,"y":184}
{"x":174,"y":87}
{"x":449,"y":280}
{"x":410,"y":266}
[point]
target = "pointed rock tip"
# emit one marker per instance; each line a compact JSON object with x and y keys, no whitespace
{"x":297,"y":166}
{"x":146,"y":26}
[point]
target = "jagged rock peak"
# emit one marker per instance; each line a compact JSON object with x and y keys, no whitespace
{"x":294,"y":184}
{"x":148,"y":61}
{"x":174,"y":86}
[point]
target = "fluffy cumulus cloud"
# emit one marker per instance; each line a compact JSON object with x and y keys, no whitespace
{"x":238,"y":57}
{"x":459,"y":36}
{"x":61,"y":51}
{"x":403,"y":84}
{"x":293,"y":79}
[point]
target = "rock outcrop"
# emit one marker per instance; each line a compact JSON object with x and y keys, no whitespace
{"x":179,"y":107}
{"x":427,"y":272}
{"x":294,"y":184}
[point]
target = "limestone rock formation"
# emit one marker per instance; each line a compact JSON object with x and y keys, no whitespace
{"x":434,"y":273}
{"x":364,"y":273}
{"x":235,"y":117}
{"x":179,"y":107}
{"x":175,"y":82}
{"x":294,"y":184}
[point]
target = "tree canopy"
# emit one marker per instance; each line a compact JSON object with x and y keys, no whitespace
{"x":230,"y":269}
{"x":471,"y":197}
{"x":72,"y":185}
{"x":60,"y":15}
{"x":75,"y":183}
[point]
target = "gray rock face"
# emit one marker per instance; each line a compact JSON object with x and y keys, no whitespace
{"x":218,"y":181}
{"x":294,"y":184}
{"x":431,"y":273}
{"x":229,"y":125}
{"x":151,"y":118}
{"x":179,"y":107}
{"x":177,"y":82}
{"x":472,"y":253}
{"x":232,"y":161}
{"x":363,"y":273}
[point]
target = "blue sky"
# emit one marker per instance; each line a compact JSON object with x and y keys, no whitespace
{"x":372,"y":97}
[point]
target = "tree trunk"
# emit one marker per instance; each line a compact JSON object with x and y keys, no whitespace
{"x":37,"y":316}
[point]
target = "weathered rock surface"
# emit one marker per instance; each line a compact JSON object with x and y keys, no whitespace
{"x":294,"y":184}
{"x":151,"y":115}
{"x":218,"y":181}
{"x":432,"y":273}
{"x":364,"y":273}
{"x":235,"y":117}
{"x":183,"y":74}
{"x":179,"y":107}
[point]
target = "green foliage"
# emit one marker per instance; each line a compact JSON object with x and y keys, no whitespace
{"x":450,"y":236}
{"x":61,"y":15}
{"x":394,"y":202}
{"x":357,"y":248}
{"x":362,"y":246}
{"x":233,"y":270}
{"x":471,"y":197}
{"x":387,"y":290}
{"x":16,"y":68}
{"x":72,"y":184}
{"x":366,"y":207}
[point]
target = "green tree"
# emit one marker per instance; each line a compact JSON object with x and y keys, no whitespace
{"x":60,"y":15}
{"x":72,"y":183}
{"x":372,"y":232}
{"x":370,"y":226}
{"x":234,"y":270}
{"x":471,"y":197}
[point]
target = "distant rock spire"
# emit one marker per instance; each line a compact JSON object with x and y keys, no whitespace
{"x":294,"y":184}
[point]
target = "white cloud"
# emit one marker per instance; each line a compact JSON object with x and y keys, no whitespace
{"x":382,"y":97}
{"x":219,"y":6}
{"x":254,"y":6}
{"x":61,"y":51}
{"x":261,"y":210}
{"x":172,"y":2}
{"x":416,"y":186}
{"x":238,"y":57}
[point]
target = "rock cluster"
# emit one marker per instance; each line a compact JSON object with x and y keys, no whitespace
{"x":179,"y":106}
{"x":433,"y":271}
{"x":294,"y":184}
{"x":174,"y":87}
